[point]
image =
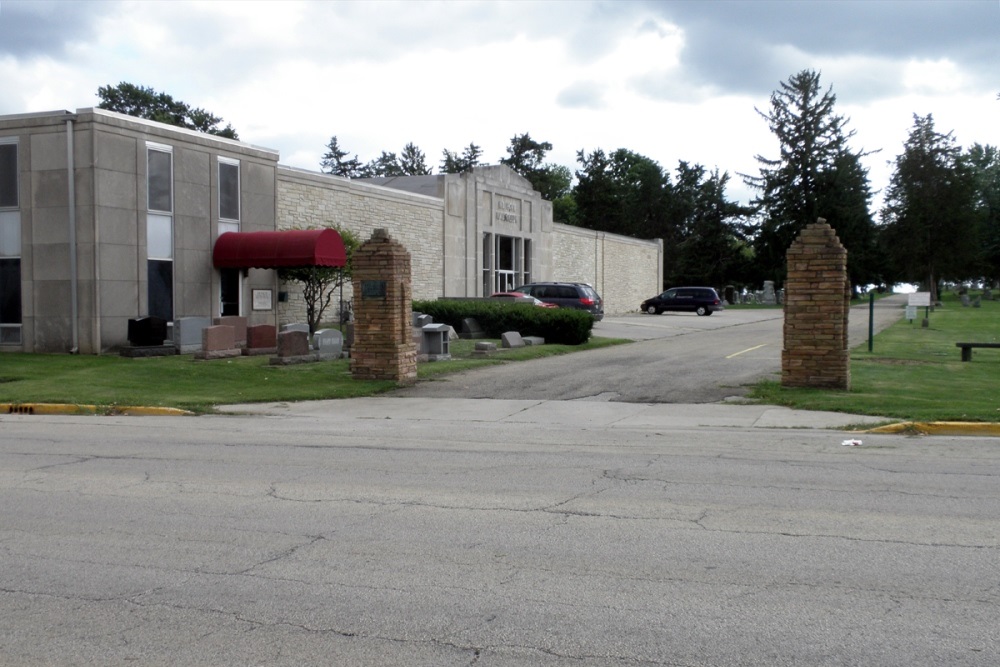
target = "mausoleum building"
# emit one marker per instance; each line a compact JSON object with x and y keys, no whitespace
{"x":106,"y":218}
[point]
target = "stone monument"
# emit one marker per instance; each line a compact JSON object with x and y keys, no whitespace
{"x":817,"y":303}
{"x":383,"y":346}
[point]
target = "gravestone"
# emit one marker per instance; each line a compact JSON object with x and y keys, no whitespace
{"x":293,"y":343}
{"x":471,"y":329}
{"x":383,"y":347}
{"x":817,"y":303}
{"x":511,"y":339}
{"x":768,"y":297}
{"x":435,"y":343}
{"x":296,"y":326}
{"x":329,"y":343}
{"x":147,"y":331}
{"x":187,"y":333}
{"x":218,"y":342}
{"x":965,"y":299}
{"x":239,"y":325}
{"x":261,"y":339}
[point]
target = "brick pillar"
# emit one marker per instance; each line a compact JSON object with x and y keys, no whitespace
{"x":383,"y":346}
{"x":817,"y":303}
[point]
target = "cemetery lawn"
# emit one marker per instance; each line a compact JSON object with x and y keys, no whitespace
{"x":109,"y":381}
{"x":916,"y":374}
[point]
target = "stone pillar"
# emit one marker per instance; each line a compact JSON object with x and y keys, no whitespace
{"x":383,"y":347}
{"x":817,"y":303}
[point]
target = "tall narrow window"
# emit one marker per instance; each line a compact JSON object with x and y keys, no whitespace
{"x":229,"y":195}
{"x":10,"y":245}
{"x":230,"y":280}
{"x":160,"y":230}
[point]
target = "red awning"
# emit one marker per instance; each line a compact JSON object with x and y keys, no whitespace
{"x":272,"y":250}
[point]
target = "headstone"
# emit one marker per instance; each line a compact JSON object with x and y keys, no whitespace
{"x":484,"y":348}
{"x":965,"y":299}
{"x":768,"y":297}
{"x":511,"y":339}
{"x":218,"y":342}
{"x":293,"y":343}
{"x":147,"y":331}
{"x":421,"y":320}
{"x":533,"y":340}
{"x":471,"y":329}
{"x":261,"y":339}
{"x":239,"y":325}
{"x":296,"y":326}
{"x":729,"y":294}
{"x":977,"y":302}
{"x":329,"y":343}
{"x":187,"y":333}
{"x":435,"y":343}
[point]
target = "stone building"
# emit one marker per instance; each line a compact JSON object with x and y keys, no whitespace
{"x":106,"y":217}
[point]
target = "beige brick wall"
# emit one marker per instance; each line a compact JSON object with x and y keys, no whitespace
{"x":308,"y":200}
{"x":622,"y":269}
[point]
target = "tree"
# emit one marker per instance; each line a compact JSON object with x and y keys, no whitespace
{"x":622,"y":192}
{"x":452,"y":163}
{"x":410,"y":162}
{"x":929,"y":217}
{"x":984,"y":161}
{"x":708,"y":245}
{"x":815,"y":175}
{"x":336,"y":162}
{"x":413,"y":162}
{"x":527,"y":157}
{"x":320,"y":283}
{"x":143,"y":102}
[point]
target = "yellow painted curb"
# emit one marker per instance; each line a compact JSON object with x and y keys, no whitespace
{"x":73,"y":409}
{"x":941,"y":428}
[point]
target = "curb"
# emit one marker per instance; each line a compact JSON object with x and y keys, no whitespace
{"x":940,"y":428}
{"x":73,"y":409}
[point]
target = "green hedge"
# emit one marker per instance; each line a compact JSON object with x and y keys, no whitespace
{"x":556,"y":325}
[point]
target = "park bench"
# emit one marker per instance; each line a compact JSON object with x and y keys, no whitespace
{"x":967,"y":348}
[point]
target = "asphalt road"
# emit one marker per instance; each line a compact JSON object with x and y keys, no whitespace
{"x":343,"y":535}
{"x":676,"y":358}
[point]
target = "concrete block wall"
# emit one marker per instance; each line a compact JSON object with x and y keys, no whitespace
{"x":311,"y":200}
{"x":623,"y":270}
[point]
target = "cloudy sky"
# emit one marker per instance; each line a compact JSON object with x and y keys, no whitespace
{"x":675,"y":80}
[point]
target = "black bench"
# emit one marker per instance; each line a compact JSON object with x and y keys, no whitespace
{"x":967,"y":348}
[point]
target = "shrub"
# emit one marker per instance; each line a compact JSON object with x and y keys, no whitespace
{"x":556,"y":325}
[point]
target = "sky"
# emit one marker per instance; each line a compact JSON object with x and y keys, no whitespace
{"x":674,"y":80}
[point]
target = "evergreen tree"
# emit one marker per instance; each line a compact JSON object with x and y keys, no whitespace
{"x":815,"y":175}
{"x":413,"y":162}
{"x":929,"y":217}
{"x":452,"y":163}
{"x":984,"y":161}
{"x":336,"y":162}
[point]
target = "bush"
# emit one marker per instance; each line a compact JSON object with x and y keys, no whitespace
{"x":556,"y":325}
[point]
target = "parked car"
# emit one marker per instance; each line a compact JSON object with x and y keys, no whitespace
{"x":521,"y":296}
{"x":567,"y":295}
{"x":701,"y":300}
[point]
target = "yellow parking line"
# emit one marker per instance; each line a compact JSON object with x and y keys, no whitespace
{"x":749,"y":349}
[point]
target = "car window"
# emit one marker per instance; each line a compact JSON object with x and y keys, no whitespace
{"x":669,"y":294}
{"x":567,"y":292}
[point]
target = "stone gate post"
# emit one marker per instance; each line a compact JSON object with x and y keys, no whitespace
{"x":817,"y":303}
{"x":383,"y":347}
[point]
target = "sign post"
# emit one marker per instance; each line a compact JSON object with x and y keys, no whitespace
{"x":922,"y":299}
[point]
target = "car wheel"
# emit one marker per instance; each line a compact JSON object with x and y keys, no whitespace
{"x":702,"y":310}
{"x":652,"y":310}
{"x":710,"y":312}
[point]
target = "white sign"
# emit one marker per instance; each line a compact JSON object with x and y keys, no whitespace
{"x":920,"y":299}
{"x":911,"y":313}
{"x":262,"y":299}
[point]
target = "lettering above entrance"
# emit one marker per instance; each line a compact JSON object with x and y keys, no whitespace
{"x":506,"y":210}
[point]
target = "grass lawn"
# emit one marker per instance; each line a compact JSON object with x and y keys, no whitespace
{"x":916,"y":373}
{"x":181,"y":382}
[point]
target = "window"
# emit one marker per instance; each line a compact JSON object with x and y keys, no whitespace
{"x":160,"y":231}
{"x":229,"y":190}
{"x":10,"y":245}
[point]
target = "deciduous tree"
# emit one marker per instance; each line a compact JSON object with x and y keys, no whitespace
{"x":320,"y":283}
{"x":144,"y":102}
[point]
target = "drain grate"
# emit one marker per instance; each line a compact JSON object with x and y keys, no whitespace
{"x":20,"y":409}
